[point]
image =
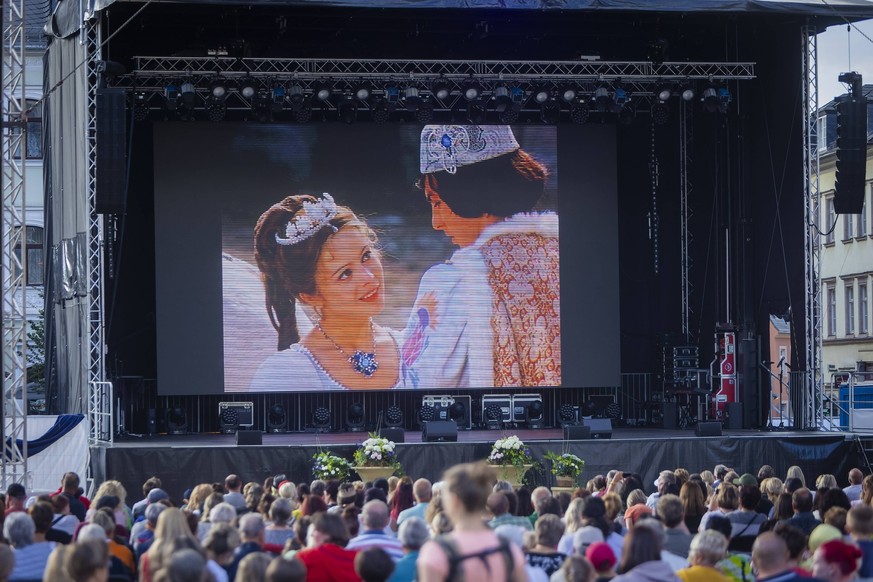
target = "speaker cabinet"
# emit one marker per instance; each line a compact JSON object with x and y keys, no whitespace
{"x":670,"y":415}
{"x":439,"y":430}
{"x":111,"y":146}
{"x":151,"y":422}
{"x":577,"y":433}
{"x":708,"y":429}
{"x":601,"y":428}
{"x":734,"y":420}
{"x":393,"y":433}
{"x":249,"y":437}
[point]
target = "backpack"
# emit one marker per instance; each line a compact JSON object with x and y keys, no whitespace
{"x":455,"y":557}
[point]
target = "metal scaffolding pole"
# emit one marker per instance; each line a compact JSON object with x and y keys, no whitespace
{"x":686,"y":136}
{"x":14,"y":278}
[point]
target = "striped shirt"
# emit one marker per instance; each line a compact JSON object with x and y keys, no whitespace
{"x":377,"y":539}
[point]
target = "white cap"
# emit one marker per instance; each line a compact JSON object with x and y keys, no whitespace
{"x":448,"y":147}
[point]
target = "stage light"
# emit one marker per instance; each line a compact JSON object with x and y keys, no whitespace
{"x":355,"y":417}
{"x":716,"y":98}
{"x":502,"y":100}
{"x":533,"y":414}
{"x":394,"y":416}
{"x":477,"y":113}
{"x":613,"y":411}
{"x":426,"y":413}
{"x":322,"y":91}
{"x":493,"y":416}
{"x":304,"y":114}
{"x":229,"y":420}
{"x":392,"y":95}
{"x":362,"y":92}
{"x":380,"y":111}
{"x":509,"y":116}
{"x":588,"y":408}
{"x":171,"y":96}
{"x":177,"y":421}
{"x":458,"y":413}
{"x":471,"y":90}
{"x":550,"y":112}
{"x":441,"y":90}
{"x":541,"y":95}
{"x":247,"y":88}
{"x":411,"y":98}
{"x":424,"y":112}
{"x":348,"y":110}
{"x":579,"y":112}
{"x":664,"y":92}
{"x":660,"y":113}
{"x":216,"y":109}
{"x":140,"y":106}
{"x":567,"y":415}
{"x":278,"y":98}
{"x":218,"y":88}
{"x":620,"y":96}
{"x":687,"y":92}
{"x":187,"y":91}
{"x":568,"y":94}
{"x":321,"y":419}
{"x":602,"y":100}
{"x":277,"y":418}
{"x":296,"y":96}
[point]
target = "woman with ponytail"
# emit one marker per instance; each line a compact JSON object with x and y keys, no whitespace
{"x":313,"y":251}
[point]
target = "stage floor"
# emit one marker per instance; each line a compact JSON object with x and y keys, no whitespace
{"x":183,"y":461}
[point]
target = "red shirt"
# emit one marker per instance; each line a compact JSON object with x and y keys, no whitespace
{"x":329,"y":563}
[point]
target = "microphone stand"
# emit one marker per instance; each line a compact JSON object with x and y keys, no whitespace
{"x":766,"y":366}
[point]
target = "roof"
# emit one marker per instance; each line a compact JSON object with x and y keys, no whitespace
{"x":780,"y":325}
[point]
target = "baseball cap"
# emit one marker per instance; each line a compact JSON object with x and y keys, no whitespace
{"x":601,"y":556}
{"x":747,"y":479}
{"x":156,"y":495}
{"x":586,"y":536}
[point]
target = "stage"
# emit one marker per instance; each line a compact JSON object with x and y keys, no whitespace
{"x":182,"y":461}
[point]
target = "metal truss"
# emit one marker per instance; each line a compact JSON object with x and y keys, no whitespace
{"x":14,"y":277}
{"x":100,"y":413}
{"x":686,"y":137}
{"x":812,"y":410}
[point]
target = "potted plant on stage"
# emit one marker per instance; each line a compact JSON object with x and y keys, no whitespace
{"x":376,"y":458}
{"x":326,"y":466}
{"x":566,"y":468}
{"x":511,"y":459}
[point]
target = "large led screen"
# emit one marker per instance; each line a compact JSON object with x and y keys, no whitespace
{"x":373,"y":257}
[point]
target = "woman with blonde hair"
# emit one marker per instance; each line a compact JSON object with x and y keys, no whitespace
{"x":123,"y":515}
{"x":572,"y":521}
{"x":795,"y":472}
{"x":172,"y":524}
{"x":198,"y":498}
{"x":826,"y":481}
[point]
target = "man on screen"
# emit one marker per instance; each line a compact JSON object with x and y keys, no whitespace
{"x":490,"y":316}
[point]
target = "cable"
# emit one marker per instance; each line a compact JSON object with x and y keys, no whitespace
{"x":847,"y":21}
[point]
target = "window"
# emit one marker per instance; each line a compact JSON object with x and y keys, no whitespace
{"x":850,"y":308}
{"x":863,"y":309}
{"x":783,"y":357}
{"x":831,"y":220}
{"x":821,"y":133}
{"x":862,"y":218}
{"x":848,"y":226}
{"x":33,"y":145}
{"x":832,"y":310}
{"x":35,"y":257}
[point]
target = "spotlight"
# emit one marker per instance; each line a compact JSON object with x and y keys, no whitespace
{"x":229,"y":420}
{"x":171,"y":96}
{"x":613,"y":411}
{"x":188,"y":93}
{"x":476,"y":112}
{"x":541,"y":95}
{"x":588,"y":408}
{"x":392,"y":95}
{"x":321,"y":419}
{"x":660,"y":113}
{"x":716,"y":98}
{"x":348,"y":110}
{"x":381,"y":112}
{"x":277,"y":418}
{"x":620,"y":96}
{"x":355,"y":417}
{"x":393,"y":416}
{"x":493,"y":416}
{"x":216,"y":109}
{"x":687,"y":92}
{"x":218,"y":88}
{"x":411,"y":98}
{"x":177,"y":421}
{"x":602,"y":100}
{"x":278,"y":98}
{"x":322,"y":91}
{"x":568,"y":94}
{"x":458,"y":413}
{"x":441,"y":90}
{"x":140,"y":106}
{"x":471,"y":90}
{"x":550,"y":112}
{"x":567,"y":415}
{"x":502,"y":100}
{"x":247,"y":88}
{"x":362,"y":92}
{"x":426,"y":413}
{"x":664,"y":92}
{"x":304,"y":114}
{"x":579,"y":112}
{"x":533,"y":414}
{"x":296,"y":97}
{"x":424,"y":113}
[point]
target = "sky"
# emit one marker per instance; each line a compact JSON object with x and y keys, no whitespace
{"x":840,"y":51}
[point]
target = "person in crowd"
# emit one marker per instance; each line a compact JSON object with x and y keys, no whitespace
{"x":79,"y":504}
{"x":836,"y":516}
{"x":726,"y":500}
{"x":770,"y":558}
{"x":63,"y":519}
{"x":184,"y":565}
{"x":374,"y":565}
{"x":220,"y":513}
{"x":374,"y":519}
{"x":594,"y":514}
{"x":138,"y":508}
{"x":859,"y":526}
{"x":124,"y":554}
{"x":537,"y":497}
{"x":603,"y":559}
{"x":795,"y":472}
{"x":172,"y":524}
{"x":782,"y":511}
{"x":545,"y":555}
{"x":30,"y":556}
{"x":16,"y":496}
{"x":331,"y":493}
{"x":402,"y":499}
{"x":278,"y":531}
{"x":197,"y":499}
{"x":575,"y":569}
{"x":853,"y":491}
{"x":642,"y":559}
{"x":736,"y":566}
{"x":826,"y":481}
{"x":634,"y":513}
{"x":836,"y":561}
{"x":693,"y":505}
{"x":43,"y":515}
{"x":422,"y":491}
{"x":251,"y":533}
{"x":55,"y":570}
{"x":801,"y":503}
{"x":796,"y":541}
{"x":830,"y":498}
{"x":326,"y":557}
{"x":772,"y":488}
{"x":498,"y":507}
{"x":412,"y":534}
{"x":114,"y":489}
{"x":253,"y":567}
{"x":233,"y":492}
{"x":765,"y":472}
{"x":708,"y":548}
{"x":720,"y":472}
{"x":87,"y":561}
{"x":283,"y":569}
{"x":146,"y":536}
{"x":313,"y":504}
{"x":746,"y":521}
{"x":319,"y":254}
{"x":525,"y":503}
{"x":665,"y":480}
{"x":583,"y":538}
{"x":346,"y":497}
{"x":572,"y":521}
{"x":220,"y":545}
{"x":472,"y":547}
{"x":677,"y":540}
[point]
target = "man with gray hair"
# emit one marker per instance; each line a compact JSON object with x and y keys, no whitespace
{"x":412,"y":534}
{"x":676,"y":537}
{"x":144,"y":536}
{"x":30,"y":557}
{"x":665,"y":480}
{"x":374,"y":519}
{"x":421,"y":491}
{"x":251,"y":533}
{"x":708,"y":548}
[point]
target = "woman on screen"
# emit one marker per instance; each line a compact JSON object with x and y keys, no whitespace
{"x":490,"y":316}
{"x":321,"y":254}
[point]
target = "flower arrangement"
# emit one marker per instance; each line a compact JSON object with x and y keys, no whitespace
{"x":510,"y":451}
{"x":326,"y":466}
{"x":565,"y":464}
{"x":376,"y":452}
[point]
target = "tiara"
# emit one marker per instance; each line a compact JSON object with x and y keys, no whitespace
{"x":448,"y":147}
{"x":311,"y":218}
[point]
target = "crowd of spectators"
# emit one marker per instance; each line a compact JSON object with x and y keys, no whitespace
{"x":711,"y":526}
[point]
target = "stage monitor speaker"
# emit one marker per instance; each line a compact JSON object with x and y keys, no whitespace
{"x":708,"y":429}
{"x":111,"y":146}
{"x":670,"y":415}
{"x":601,"y":428}
{"x":249,"y":437}
{"x":439,"y":430}
{"x":151,"y":422}
{"x":734,"y":413}
{"x":393,"y":433}
{"x":577,"y":432}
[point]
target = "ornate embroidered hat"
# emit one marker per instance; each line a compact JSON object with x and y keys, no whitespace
{"x":448,"y":147}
